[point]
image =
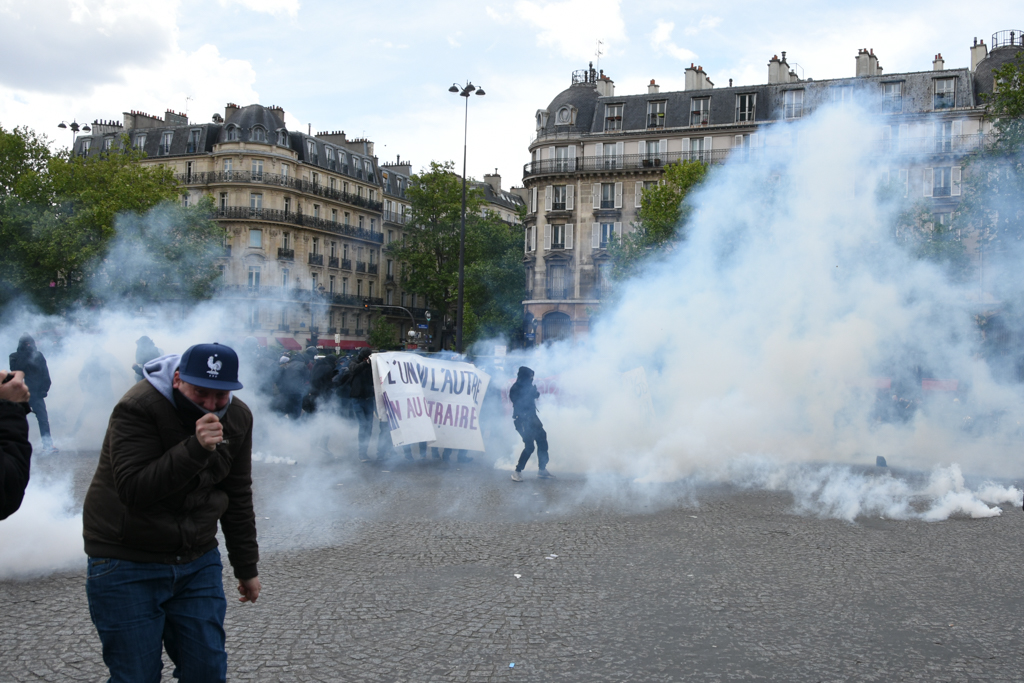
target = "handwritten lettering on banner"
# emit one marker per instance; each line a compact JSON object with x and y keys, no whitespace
{"x":430,"y":400}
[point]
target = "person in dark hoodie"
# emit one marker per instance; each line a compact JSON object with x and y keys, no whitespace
{"x":145,"y":351}
{"x":360,"y":383}
{"x":15,"y":450}
{"x":29,"y":360}
{"x":175,"y":462}
{"x":524,"y":395}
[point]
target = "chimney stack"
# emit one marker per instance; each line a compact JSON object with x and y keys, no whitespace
{"x":653,"y":88}
{"x":938,"y":64}
{"x":978,"y":53}
{"x":229,"y":109}
{"x":494,"y":180}
{"x":867,"y":63}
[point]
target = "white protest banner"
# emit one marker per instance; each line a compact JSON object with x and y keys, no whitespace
{"x":430,"y":400}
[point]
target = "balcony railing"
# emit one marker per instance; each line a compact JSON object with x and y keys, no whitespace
{"x":700,"y":118}
{"x":332,"y":261}
{"x":360,"y":266}
{"x":346,"y":264}
{"x":294,"y":294}
{"x":390,"y":277}
{"x":360,"y":332}
{"x":342,"y":331}
{"x":371,"y":268}
{"x":284,"y":327}
{"x":932,"y":144}
{"x":623,"y":162}
{"x":395,"y":217}
{"x":288,"y":181}
{"x":316,"y":259}
{"x":794,"y":111}
{"x":655,"y":120}
{"x":286,"y":254}
{"x":332,"y":330}
{"x":944,"y":100}
{"x":278,"y":216}
{"x":557,"y":292}
{"x":313,"y":329}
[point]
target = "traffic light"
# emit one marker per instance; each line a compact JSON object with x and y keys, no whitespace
{"x":366,"y":304}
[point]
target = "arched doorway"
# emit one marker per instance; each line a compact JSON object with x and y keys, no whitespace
{"x":557,"y":326}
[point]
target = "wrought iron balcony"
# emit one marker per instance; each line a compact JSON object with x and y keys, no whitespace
{"x":360,"y":266}
{"x":316,"y":259}
{"x":286,"y":254}
{"x":371,"y":268}
{"x":346,"y":264}
{"x":621,"y":162}
{"x":277,"y":180}
{"x":332,"y":261}
{"x":294,"y":218}
{"x":332,"y":330}
{"x":360,"y":332}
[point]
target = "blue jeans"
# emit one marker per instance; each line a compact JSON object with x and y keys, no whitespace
{"x":140,"y":607}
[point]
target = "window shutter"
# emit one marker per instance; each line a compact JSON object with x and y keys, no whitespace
{"x":568,"y":235}
{"x":707,"y":148}
{"x":618,"y":148}
{"x":595,"y":236}
{"x":572,"y":151}
{"x":547,"y":197}
{"x":662,"y":148}
{"x":955,"y":181}
{"x":686,"y":149}
{"x":596,"y":193}
{"x":639,"y":193}
{"x":737,"y":141}
{"x":599,"y":149}
{"x":533,"y":200}
{"x":551,"y":153}
{"x":570,"y":191}
{"x":958,"y":130}
{"x":533,"y":239}
{"x":526,"y":240}
{"x":640,"y":147}
{"x":929,"y":180}
{"x":618,"y":195}
{"x":753,"y":140}
{"x":618,"y":231}
{"x":905,"y":180}
{"x":547,"y":235}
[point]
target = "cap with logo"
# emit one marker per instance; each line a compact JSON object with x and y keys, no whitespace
{"x":211,"y":366}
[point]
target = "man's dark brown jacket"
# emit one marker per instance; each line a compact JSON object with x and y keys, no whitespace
{"x":157,"y":495}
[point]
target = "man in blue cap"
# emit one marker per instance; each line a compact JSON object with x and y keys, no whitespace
{"x":176,"y":460}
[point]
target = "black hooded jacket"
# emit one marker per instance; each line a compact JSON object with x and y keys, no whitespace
{"x":28,"y":359}
{"x":15,"y":456}
{"x":524,"y":395}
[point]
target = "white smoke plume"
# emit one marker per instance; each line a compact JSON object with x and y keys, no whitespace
{"x":760,"y":339}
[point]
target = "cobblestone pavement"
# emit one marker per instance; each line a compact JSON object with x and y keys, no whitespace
{"x":416,"y":572}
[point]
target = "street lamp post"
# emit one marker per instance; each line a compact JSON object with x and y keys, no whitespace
{"x":74,"y":129}
{"x":463,"y":91}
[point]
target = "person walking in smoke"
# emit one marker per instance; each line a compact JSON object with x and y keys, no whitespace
{"x":145,"y":351}
{"x":524,"y":395}
{"x":32,"y":363}
{"x":360,"y":382}
{"x":15,"y":449}
{"x":176,"y":460}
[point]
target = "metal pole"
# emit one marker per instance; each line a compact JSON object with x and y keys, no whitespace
{"x":462,"y":235}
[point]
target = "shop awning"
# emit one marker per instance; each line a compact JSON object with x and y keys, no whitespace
{"x":940,"y":384}
{"x":262,"y":341}
{"x":289,"y":343}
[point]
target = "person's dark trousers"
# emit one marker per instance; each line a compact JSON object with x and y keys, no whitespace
{"x":139,"y":606}
{"x":531,"y":429}
{"x":363,"y":409}
{"x":38,"y":406}
{"x":385,"y":447}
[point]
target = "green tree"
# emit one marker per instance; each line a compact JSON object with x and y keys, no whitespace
{"x":429,"y":256}
{"x":383,"y":335}
{"x":59,"y":219}
{"x":662,"y":218}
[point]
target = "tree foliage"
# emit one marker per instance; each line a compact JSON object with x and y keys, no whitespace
{"x":383,"y":334}
{"x":429,"y":256}
{"x":662,"y":218}
{"x":59,"y":218}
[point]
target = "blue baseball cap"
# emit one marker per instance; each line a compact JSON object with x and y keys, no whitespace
{"x":211,"y":366}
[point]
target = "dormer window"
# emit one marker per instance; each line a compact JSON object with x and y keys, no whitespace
{"x":86,"y":144}
{"x":613,"y":117}
{"x":330,"y":158}
{"x":311,"y":149}
{"x":656,"y":114}
{"x":193,"y":142}
{"x":282,"y":137}
{"x":232,"y":133}
{"x":165,"y":143}
{"x":140,"y":141}
{"x":259,"y":134}
{"x":108,"y":144}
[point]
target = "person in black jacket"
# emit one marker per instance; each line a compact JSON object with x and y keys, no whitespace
{"x":524,"y":395}
{"x":176,"y":464}
{"x":15,"y":450}
{"x":30,"y":361}
{"x":360,"y":382}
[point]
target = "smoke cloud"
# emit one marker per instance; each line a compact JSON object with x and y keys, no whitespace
{"x":766,"y":340}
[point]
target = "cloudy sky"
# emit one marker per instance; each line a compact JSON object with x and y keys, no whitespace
{"x":382,"y":69}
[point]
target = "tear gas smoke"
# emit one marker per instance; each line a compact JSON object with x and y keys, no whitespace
{"x":761,"y":338}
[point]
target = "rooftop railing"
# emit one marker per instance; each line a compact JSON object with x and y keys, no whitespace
{"x":621,"y":163}
{"x":294,"y":218}
{"x":277,"y":180}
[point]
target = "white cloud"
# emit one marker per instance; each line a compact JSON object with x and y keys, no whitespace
{"x":289,"y":7}
{"x":661,"y":41}
{"x":498,"y":16}
{"x":453,"y":40}
{"x":573,"y":27}
{"x":706,"y":23}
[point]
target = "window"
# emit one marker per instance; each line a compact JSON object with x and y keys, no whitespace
{"x":316,"y":179}
{"x":223,"y":201}
{"x":348,"y":218}
{"x":184,"y":200}
{"x":255,"y":239}
{"x":165,"y":144}
{"x":359,"y":287}
{"x":562,"y":162}
{"x":232,"y":133}
{"x":334,"y":215}
{"x":360,"y":222}
{"x":697,"y":149}
{"x":942,"y":181}
{"x":892,"y":98}
{"x":391,"y":236}
{"x":700,"y":111}
{"x":227,"y":168}
{"x":344,"y":251}
{"x":943,"y":136}
{"x":369,"y":291}
{"x":794,"y":103}
{"x":254,"y":272}
{"x":653,"y":149}
{"x":311,"y":151}
{"x":373,"y":224}
{"x":604,"y":279}
{"x":330,"y":160}
{"x":390,"y":271}
{"x":334,"y":250}
{"x":607,"y":232}
{"x":557,"y":281}
{"x":656,"y":114}
{"x":744,"y":144}
{"x":390,"y":297}
{"x":316,"y":246}
{"x":286,"y":240}
{"x":284,"y":170}
{"x":330,"y":284}
{"x":313,"y":280}
{"x":190,"y":167}
{"x":282,"y":138}
{"x":612,"y":151}
{"x":316,"y":211}
{"x":607,"y":195}
{"x":945,"y":93}
{"x":558,"y":236}
{"x":558,"y":197}
{"x":256,"y":200}
{"x":193,"y":142}
{"x":373,"y":256}
{"x":284,"y":276}
{"x":842,"y":94}
{"x":108,"y":144}
{"x":287,"y":204}
{"x":257,"y":170}
{"x":745,"y":108}
{"x":140,"y":141}
{"x":344,"y":287}
{"x":333,"y":182}
{"x":613,"y":117}
{"x":86,"y":144}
